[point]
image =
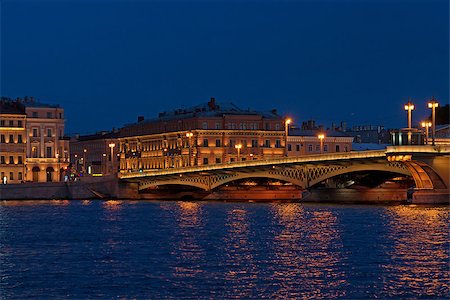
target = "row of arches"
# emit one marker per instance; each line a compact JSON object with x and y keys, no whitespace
{"x":49,"y":174}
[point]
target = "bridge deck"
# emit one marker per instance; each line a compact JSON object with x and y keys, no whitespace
{"x":342,"y":156}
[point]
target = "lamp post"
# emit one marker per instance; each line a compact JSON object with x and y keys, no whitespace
{"x":409,"y":107}
{"x":286,"y":133}
{"x":189,"y":136}
{"x":76,"y":164}
{"x":238,"y":147}
{"x":426,"y":125}
{"x":321,"y":137}
{"x":104,"y":168}
{"x":84,"y":161}
{"x":111,"y":147}
{"x":433,"y":104}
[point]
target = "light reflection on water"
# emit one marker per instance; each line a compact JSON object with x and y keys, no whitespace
{"x":420,"y":251}
{"x":130,"y":249}
{"x":307,"y":249}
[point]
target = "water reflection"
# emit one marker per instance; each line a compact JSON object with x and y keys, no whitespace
{"x":188,"y":252}
{"x":419,"y":254}
{"x":240,"y":270}
{"x":308,"y":253}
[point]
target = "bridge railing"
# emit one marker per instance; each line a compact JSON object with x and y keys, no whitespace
{"x":256,"y":163}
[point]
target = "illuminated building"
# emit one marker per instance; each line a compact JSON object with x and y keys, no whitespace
{"x":306,"y":142}
{"x":213,"y":133}
{"x":12,"y":142}
{"x":38,"y":148}
{"x":95,"y":154}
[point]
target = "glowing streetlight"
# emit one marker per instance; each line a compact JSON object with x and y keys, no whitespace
{"x":104,"y":158}
{"x":321,"y":137}
{"x":433,"y":104}
{"x":409,"y":107}
{"x":111,"y":147}
{"x":426,"y":125}
{"x":238,"y":147}
{"x":286,"y":133}
{"x":84,"y":161}
{"x":189,"y":136}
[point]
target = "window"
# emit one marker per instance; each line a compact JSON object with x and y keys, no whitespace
{"x":11,"y":160}
{"x":35,"y":132}
{"x":317,"y":148}
{"x":61,"y":135}
{"x":310,"y":148}
{"x":19,"y":176}
{"x":297,"y":147}
{"x":338,"y":148}
{"x":277,"y":143}
{"x":277,"y":126}
{"x":11,"y":176}
{"x":11,"y":138}
{"x":205,"y":142}
{"x":289,"y":147}
{"x":49,"y":151}
{"x":2,"y":138}
{"x":49,"y":132}
{"x":218,"y":143}
{"x":2,"y":160}
{"x":267,"y":126}
{"x":205,"y":125}
{"x":60,"y":115}
{"x":217,"y":125}
{"x":218,"y":160}
{"x":49,"y":115}
{"x":34,"y":153}
{"x":11,"y":123}
{"x":19,"y":160}
{"x":35,"y":114}
{"x":267,"y":143}
{"x":244,"y":143}
{"x":19,"y":139}
{"x":232,"y":143}
{"x":2,"y":123}
{"x":205,"y":160}
{"x":19,"y":123}
{"x":325,"y":148}
{"x":254,"y":143}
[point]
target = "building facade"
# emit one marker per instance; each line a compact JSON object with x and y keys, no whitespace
{"x":94,"y":154}
{"x":216,"y":133}
{"x":38,"y":135}
{"x":13,"y":141}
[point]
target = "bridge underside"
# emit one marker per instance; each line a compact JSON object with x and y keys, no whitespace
{"x":301,"y":175}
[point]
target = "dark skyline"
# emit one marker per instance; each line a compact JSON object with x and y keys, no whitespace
{"x":106,"y":62}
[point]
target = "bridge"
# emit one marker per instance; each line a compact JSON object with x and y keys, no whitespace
{"x":428,"y":166}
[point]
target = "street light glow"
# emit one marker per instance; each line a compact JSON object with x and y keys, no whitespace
{"x":321,"y":136}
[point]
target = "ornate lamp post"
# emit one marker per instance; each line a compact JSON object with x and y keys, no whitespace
{"x":426,"y":125}
{"x":238,"y":147}
{"x":286,"y":133}
{"x":433,"y":104}
{"x":189,"y":136}
{"x":409,"y":107}
{"x":321,"y":137}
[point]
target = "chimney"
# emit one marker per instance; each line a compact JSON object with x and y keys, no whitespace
{"x":212,"y":103}
{"x":140,"y":118}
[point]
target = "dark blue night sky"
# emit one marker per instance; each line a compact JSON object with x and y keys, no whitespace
{"x":106,"y":62}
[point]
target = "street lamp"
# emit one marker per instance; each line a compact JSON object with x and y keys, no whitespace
{"x":189,"y":136}
{"x":111,"y":146}
{"x":321,"y":137}
{"x":409,"y":107}
{"x":426,"y":125}
{"x":433,"y":104}
{"x":238,"y":147}
{"x":84,"y":161}
{"x":104,"y":168}
{"x":76,"y":164}
{"x":286,"y":133}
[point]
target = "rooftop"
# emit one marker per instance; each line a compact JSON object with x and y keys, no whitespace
{"x":28,"y":102}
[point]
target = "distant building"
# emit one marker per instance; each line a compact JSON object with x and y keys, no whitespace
{"x":40,"y":147}
{"x":375,"y":134}
{"x":305,"y":142}
{"x":95,"y":154}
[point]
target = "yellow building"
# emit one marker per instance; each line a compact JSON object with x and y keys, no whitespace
{"x":12,"y":142}
{"x":47,"y":147}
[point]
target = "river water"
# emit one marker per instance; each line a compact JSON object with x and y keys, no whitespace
{"x":153,"y":250}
